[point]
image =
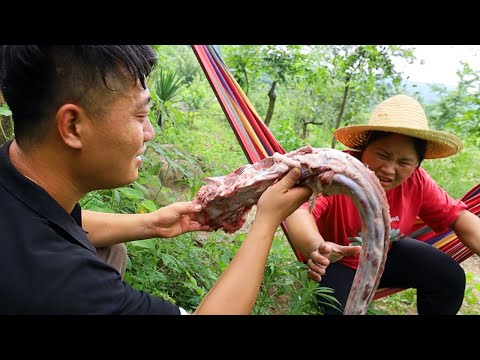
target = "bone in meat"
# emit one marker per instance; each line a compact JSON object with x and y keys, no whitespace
{"x":226,"y":201}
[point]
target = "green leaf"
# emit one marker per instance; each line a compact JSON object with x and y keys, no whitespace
{"x":140,"y":187}
{"x":101,"y":209}
{"x":5,"y":111}
{"x":116,"y":196}
{"x":148,"y":205}
{"x":147,"y":244}
{"x":131,"y":193}
{"x":154,"y":96}
{"x":373,"y":311}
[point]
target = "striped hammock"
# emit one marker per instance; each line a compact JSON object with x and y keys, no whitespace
{"x":258,"y":142}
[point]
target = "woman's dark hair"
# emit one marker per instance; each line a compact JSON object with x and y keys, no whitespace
{"x":37,"y":79}
{"x":419,"y":144}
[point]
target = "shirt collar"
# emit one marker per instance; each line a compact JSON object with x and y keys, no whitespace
{"x":37,"y":199}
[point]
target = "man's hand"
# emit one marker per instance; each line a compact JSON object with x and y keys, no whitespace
{"x":282,"y":198}
{"x":326,"y":253}
{"x":176,"y":219}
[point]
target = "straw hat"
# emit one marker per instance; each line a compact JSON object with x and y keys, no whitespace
{"x":401,"y":114}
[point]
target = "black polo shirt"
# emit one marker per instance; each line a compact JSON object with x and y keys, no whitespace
{"x":47,"y":263}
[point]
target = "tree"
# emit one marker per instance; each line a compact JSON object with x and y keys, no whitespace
{"x":366,"y":69}
{"x":274,"y":64}
{"x":459,"y":109}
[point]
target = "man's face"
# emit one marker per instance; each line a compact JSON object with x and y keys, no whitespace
{"x":116,"y":140}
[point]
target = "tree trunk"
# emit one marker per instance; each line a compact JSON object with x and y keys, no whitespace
{"x":247,"y":85}
{"x":342,"y":109}
{"x":306,"y":123}
{"x":271,"y":105}
{"x":160,"y":119}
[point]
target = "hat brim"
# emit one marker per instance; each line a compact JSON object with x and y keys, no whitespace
{"x":439,"y":143}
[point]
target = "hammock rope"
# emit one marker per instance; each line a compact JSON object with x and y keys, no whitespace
{"x":255,"y":138}
{"x":258,"y":142}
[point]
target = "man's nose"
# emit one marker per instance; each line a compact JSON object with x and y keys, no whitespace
{"x":148,"y":131}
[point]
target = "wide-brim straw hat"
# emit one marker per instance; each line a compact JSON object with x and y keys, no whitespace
{"x":401,"y":114}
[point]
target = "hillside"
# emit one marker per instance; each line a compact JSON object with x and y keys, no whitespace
{"x":424,"y":90}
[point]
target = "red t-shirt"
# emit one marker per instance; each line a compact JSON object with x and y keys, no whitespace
{"x":337,"y":217}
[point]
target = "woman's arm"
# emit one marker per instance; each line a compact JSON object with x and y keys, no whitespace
{"x":305,"y":237}
{"x":467,"y":228}
{"x":303,"y":232}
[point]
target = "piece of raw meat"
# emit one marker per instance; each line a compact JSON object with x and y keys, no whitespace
{"x":226,"y":201}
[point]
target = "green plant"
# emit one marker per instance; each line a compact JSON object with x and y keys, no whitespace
{"x":183,"y":268}
{"x":472,"y":286}
{"x":401,"y":303}
{"x":164,"y":87}
{"x":6,"y":124}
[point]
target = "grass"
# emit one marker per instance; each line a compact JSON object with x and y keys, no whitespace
{"x":404,"y":302}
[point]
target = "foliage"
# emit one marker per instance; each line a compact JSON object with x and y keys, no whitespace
{"x":165,"y":84}
{"x":197,"y":97}
{"x":6,"y":123}
{"x":286,"y":135}
{"x":286,"y":288}
{"x":362,"y":70}
{"x":459,"y":110}
{"x":164,"y":87}
{"x":455,"y":174}
{"x":473,"y":284}
{"x":179,"y":58}
{"x":276,"y":64}
{"x":401,"y":303}
{"x":180,"y":268}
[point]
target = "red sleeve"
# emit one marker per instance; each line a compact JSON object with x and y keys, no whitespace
{"x":439,"y":210}
{"x":321,"y":204}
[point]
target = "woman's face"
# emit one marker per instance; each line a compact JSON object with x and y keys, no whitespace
{"x":393,"y":159}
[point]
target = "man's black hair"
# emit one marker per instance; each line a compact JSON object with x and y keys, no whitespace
{"x":37,"y":79}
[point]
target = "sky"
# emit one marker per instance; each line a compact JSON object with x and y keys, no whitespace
{"x":440,"y":63}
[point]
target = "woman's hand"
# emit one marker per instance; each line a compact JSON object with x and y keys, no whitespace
{"x":326,"y":253}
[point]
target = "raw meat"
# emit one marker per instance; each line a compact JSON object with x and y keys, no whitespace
{"x":226,"y":201}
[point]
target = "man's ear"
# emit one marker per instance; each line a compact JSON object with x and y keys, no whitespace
{"x":70,"y":120}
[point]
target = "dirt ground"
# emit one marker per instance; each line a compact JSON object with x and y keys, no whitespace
{"x":472,"y":265}
{"x":471,"y":307}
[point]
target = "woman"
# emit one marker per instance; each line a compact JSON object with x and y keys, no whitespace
{"x":393,"y":145}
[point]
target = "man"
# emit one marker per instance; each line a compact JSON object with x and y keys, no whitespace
{"x":81,"y":124}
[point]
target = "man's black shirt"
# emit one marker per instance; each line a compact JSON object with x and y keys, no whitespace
{"x":47,"y":263}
